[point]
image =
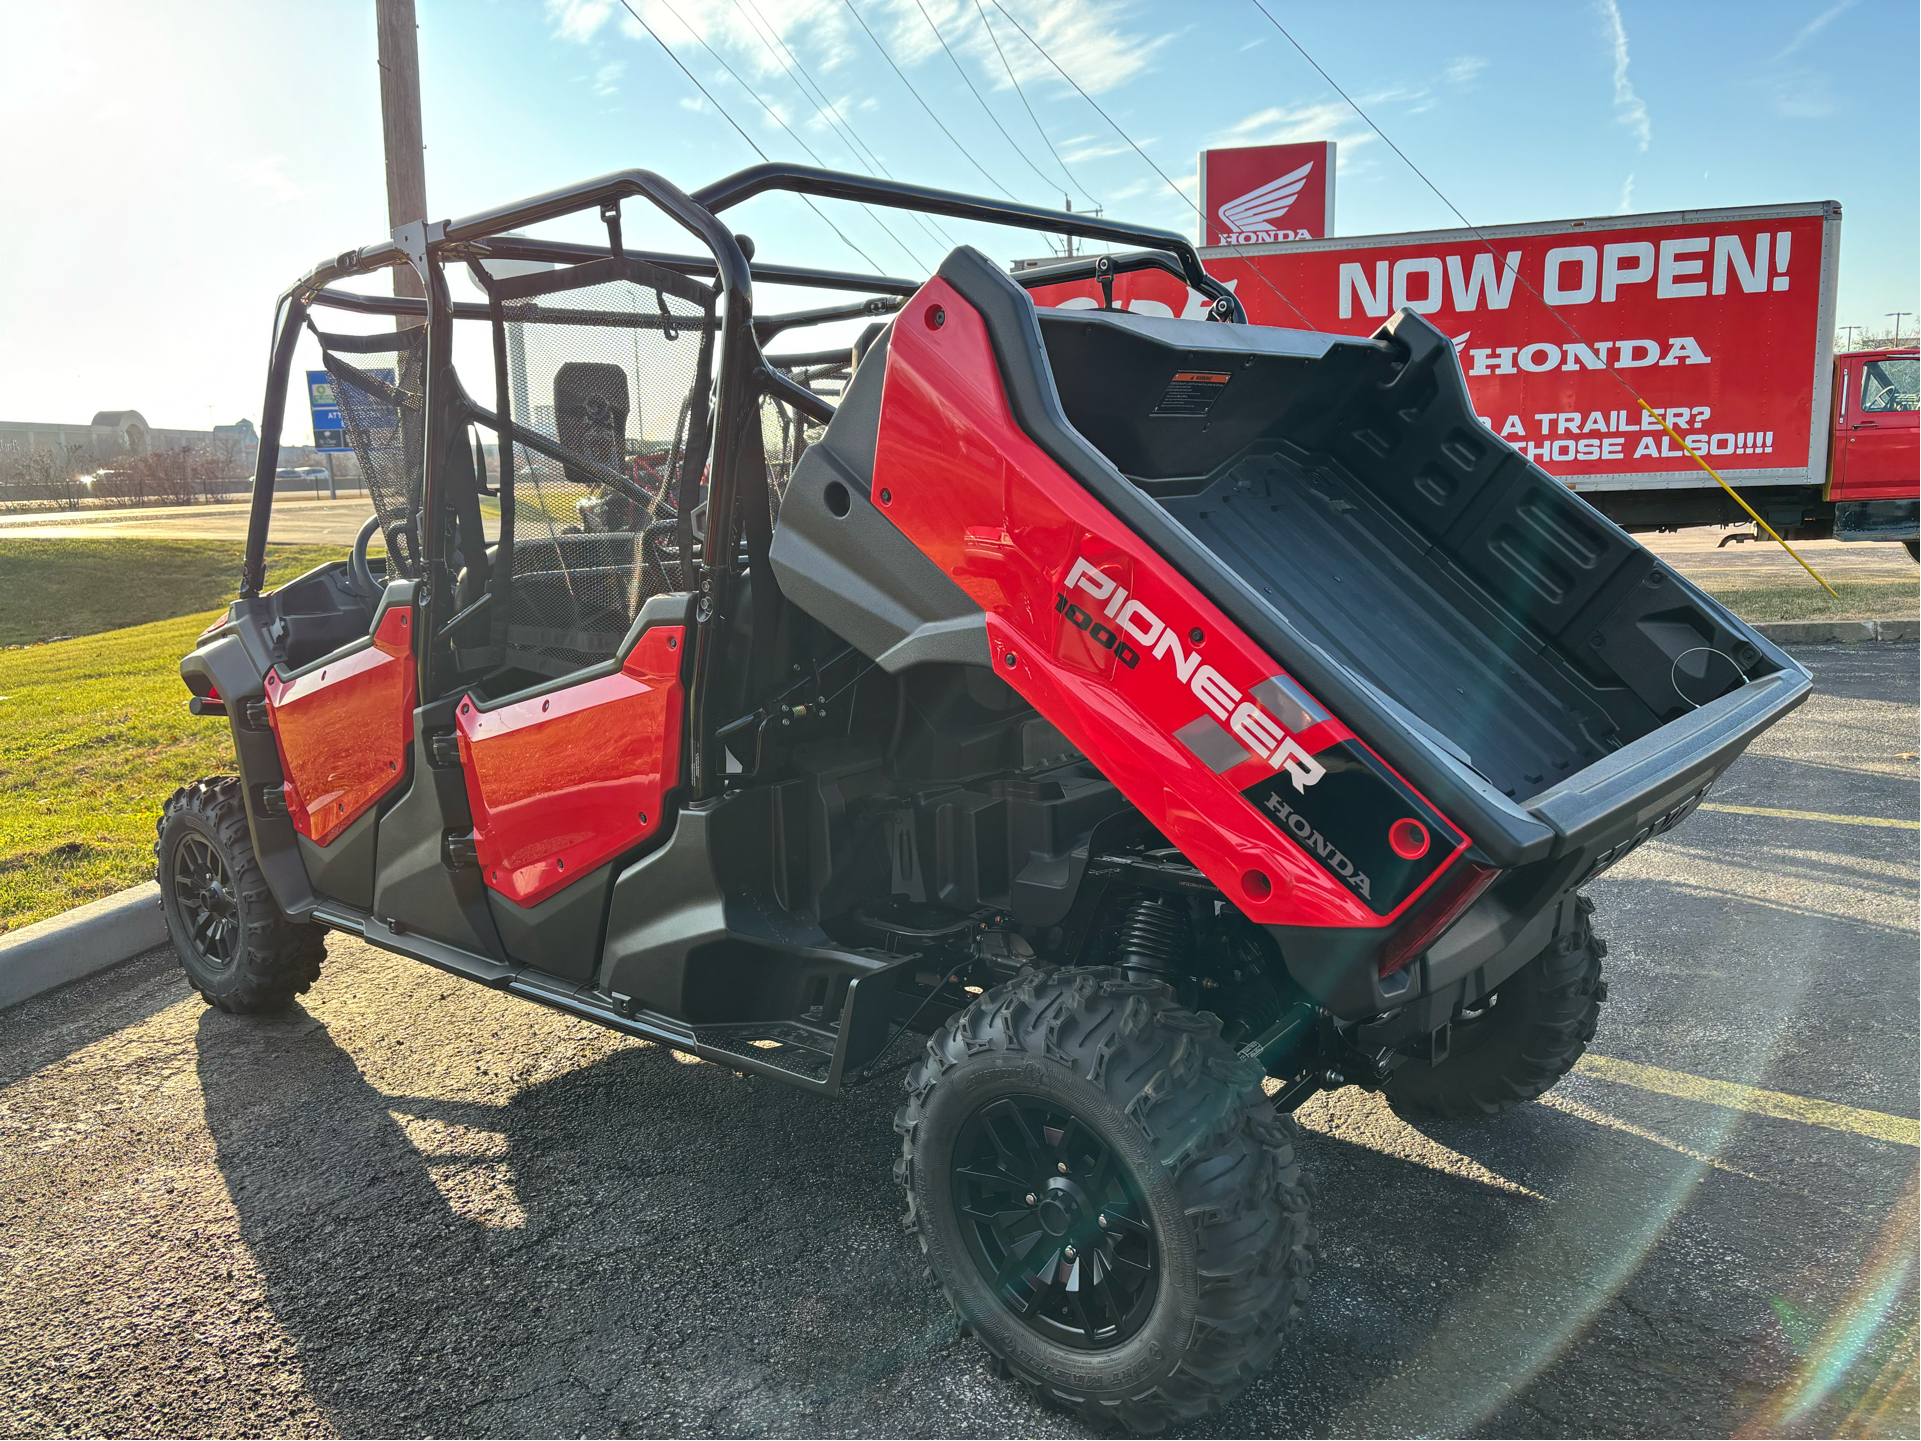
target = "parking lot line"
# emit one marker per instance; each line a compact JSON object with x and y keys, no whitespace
{"x":1902,"y":1130}
{"x":1812,"y":816}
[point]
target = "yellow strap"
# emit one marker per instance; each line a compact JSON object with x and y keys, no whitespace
{"x":1702,"y":462}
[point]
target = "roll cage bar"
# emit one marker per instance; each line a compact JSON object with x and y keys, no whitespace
{"x":743,"y":374}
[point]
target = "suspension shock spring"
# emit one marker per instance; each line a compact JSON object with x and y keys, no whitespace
{"x":1154,"y":939}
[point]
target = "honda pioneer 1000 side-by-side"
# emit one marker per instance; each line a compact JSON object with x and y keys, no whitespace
{"x":1145,"y":709}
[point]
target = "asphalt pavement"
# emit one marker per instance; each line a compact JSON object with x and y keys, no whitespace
{"x":415,"y":1207}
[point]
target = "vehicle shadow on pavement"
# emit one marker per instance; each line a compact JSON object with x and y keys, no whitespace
{"x":635,"y":1246}
{"x":642,"y":1245}
{"x":646,"y":1246}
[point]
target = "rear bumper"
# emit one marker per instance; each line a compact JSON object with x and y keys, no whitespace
{"x":1600,"y":814}
{"x":1597,"y":816}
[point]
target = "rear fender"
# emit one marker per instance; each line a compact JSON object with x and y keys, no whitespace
{"x":223,"y":664}
{"x":1256,"y":782}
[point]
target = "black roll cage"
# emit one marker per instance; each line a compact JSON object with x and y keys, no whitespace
{"x":742,"y":376}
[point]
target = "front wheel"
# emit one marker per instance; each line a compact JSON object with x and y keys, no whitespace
{"x":1106,"y":1197}
{"x":237,"y":947}
{"x":1516,"y":1042}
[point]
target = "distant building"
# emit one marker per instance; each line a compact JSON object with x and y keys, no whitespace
{"x":112,"y":434}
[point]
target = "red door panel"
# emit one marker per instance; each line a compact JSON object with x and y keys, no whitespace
{"x":1098,"y":632}
{"x":1877,"y":448}
{"x":343,"y":730}
{"x":561,"y":783}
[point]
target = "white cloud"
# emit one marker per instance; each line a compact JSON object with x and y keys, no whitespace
{"x":607,"y":78}
{"x":579,"y":19}
{"x":1092,"y":40}
{"x":269,"y":175}
{"x":1629,"y":109}
{"x":1627,"y":195}
{"x":1814,"y":27}
{"x":1092,"y":149}
{"x":1463,"y":69}
{"x":1800,"y":93}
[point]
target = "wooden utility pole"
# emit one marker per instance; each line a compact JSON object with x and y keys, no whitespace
{"x":400,"y":125}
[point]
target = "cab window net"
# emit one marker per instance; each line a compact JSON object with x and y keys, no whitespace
{"x":381,"y":394}
{"x":785,"y":433}
{"x":604,"y":370}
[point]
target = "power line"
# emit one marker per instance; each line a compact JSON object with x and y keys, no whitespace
{"x":722,"y":109}
{"x":696,"y":80}
{"x":923,"y":103}
{"x":843,"y":126}
{"x":790,"y":131}
{"x":958,"y":70}
{"x":1144,"y":155}
{"x":1566,"y":324}
{"x":1040,"y":129}
{"x":871,"y":215}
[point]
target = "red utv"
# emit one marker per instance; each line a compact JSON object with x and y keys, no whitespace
{"x":1146,"y":709}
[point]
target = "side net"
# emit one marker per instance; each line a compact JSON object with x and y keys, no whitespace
{"x":785,"y":433}
{"x":607,"y":366}
{"x":382,"y":398}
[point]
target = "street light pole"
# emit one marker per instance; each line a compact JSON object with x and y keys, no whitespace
{"x":400,"y":126}
{"x":1897,"y":316}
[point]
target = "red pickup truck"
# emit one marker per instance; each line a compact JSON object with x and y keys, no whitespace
{"x":1874,"y":461}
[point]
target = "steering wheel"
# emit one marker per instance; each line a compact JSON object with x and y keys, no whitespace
{"x":363,"y":574}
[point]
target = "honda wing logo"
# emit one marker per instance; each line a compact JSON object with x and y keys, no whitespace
{"x":1259,"y":208}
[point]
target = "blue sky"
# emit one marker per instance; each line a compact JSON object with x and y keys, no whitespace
{"x":169,"y":169}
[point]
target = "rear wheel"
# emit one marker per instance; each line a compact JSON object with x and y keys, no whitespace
{"x":1519,"y":1040}
{"x":238,"y":949}
{"x":1106,"y":1197}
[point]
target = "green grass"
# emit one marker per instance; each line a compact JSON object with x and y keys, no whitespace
{"x":1804,"y":600}
{"x":54,"y":588}
{"x":95,"y":735}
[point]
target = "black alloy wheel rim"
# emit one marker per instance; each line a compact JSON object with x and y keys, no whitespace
{"x":1055,"y":1223}
{"x":204,"y":892}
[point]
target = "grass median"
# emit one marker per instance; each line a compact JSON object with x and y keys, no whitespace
{"x":1804,"y":600}
{"x":94,"y":731}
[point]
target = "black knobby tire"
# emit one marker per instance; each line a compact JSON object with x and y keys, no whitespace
{"x":1518,"y":1041}
{"x":237,"y":947}
{"x":1194,"y":1143}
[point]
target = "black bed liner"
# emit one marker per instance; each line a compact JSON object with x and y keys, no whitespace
{"x":1493,"y":636}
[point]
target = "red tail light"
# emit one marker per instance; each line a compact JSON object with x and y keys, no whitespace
{"x":1435,"y":912}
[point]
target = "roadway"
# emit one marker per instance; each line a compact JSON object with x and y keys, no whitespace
{"x":302,"y":518}
{"x":298,"y":519}
{"x":415,"y":1207}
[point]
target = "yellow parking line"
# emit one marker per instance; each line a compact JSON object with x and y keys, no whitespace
{"x":1902,"y":1130}
{"x":1813,"y":816}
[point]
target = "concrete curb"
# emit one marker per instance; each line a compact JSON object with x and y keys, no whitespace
{"x":78,"y":942}
{"x":1815,"y":632}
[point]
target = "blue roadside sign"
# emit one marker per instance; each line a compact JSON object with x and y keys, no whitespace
{"x":329,"y":431}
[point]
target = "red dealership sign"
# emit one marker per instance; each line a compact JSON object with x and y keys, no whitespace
{"x":1720,"y":319}
{"x":1260,"y":194}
